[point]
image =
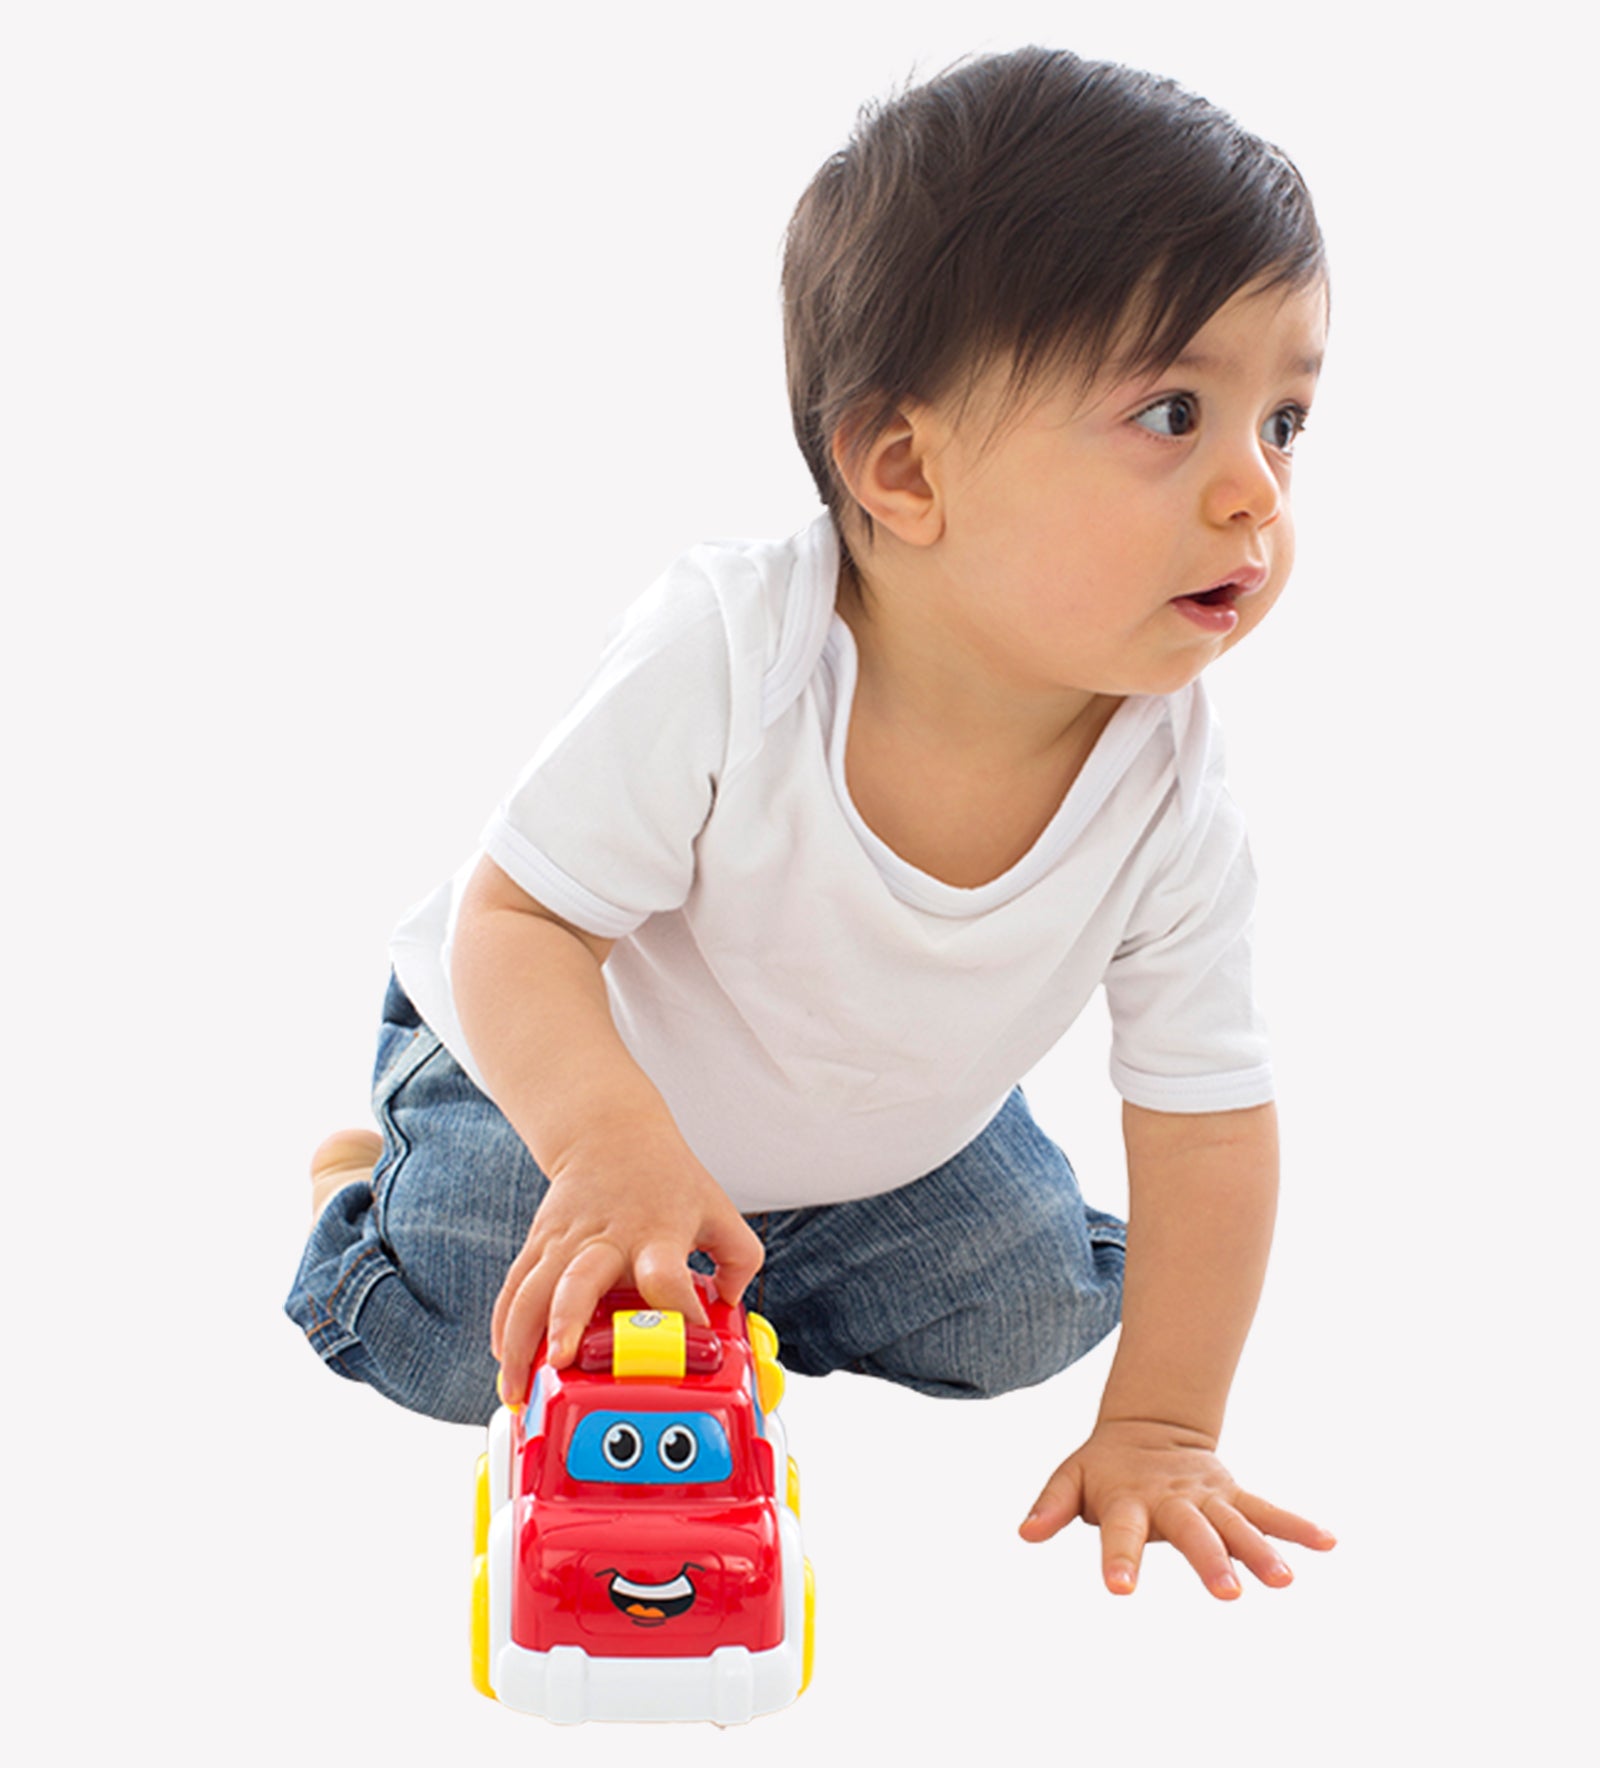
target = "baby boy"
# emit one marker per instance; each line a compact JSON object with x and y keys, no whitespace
{"x":847,"y":829}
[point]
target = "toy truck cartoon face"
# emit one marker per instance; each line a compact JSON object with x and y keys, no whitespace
{"x":648,"y":1525}
{"x":646,"y":1516}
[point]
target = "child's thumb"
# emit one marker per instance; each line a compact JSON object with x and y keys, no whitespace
{"x":736,"y":1250}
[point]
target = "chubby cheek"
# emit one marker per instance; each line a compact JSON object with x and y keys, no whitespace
{"x":1281,"y":534}
{"x":1254,"y":609}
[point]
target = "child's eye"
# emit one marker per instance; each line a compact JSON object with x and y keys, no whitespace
{"x":1176,"y":415}
{"x":1284,"y":427}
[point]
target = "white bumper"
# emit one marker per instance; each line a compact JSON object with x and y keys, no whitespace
{"x":568,"y":1685}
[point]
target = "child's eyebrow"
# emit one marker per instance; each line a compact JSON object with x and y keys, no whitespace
{"x":1207,"y":363}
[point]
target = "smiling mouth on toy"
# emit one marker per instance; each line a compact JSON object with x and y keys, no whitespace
{"x":651,"y":1605}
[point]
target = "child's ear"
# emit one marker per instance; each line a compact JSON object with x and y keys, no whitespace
{"x":892,"y":476}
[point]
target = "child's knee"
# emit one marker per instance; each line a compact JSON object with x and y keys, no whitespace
{"x":1003,"y":1345}
{"x":1045,"y":1301}
{"x":423,"y":1360}
{"x":403,"y":1304}
{"x":1047,"y":1333}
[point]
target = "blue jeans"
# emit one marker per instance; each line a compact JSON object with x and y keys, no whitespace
{"x":987,"y":1274}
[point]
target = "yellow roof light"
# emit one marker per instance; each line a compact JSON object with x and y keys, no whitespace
{"x":648,"y":1343}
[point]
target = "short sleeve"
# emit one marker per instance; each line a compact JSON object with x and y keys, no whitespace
{"x":600,"y":827}
{"x":1186,"y":1035}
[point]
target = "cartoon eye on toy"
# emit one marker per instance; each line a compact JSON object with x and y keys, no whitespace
{"x":650,"y":1448}
{"x":678,"y":1448}
{"x":622,"y":1447}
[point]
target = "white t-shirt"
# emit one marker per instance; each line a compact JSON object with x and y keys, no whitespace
{"x":824,"y":1020}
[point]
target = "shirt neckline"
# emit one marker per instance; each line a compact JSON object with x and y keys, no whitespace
{"x":1126,"y":732}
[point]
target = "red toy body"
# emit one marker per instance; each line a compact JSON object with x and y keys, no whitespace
{"x":639,"y":1552}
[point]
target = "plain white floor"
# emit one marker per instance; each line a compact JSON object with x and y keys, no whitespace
{"x":360,"y":362}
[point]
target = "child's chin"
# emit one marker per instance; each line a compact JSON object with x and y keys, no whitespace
{"x":1173,"y":677}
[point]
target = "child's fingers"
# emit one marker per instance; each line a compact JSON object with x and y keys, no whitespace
{"x":1246,"y":1543}
{"x":1124,"y":1529}
{"x":737,"y":1251}
{"x":521,"y":1267}
{"x":520,"y":1312}
{"x":1057,"y":1505}
{"x":1282,"y":1523}
{"x":522,"y":1323}
{"x":662,"y":1276}
{"x":1194,"y":1537}
{"x":599,"y":1267}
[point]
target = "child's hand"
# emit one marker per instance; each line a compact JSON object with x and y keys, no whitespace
{"x":1141,"y":1481}
{"x":636,"y":1212}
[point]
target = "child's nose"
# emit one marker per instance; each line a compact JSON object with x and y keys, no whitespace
{"x":1244,"y":488}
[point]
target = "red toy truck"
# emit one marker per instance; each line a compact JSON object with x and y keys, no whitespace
{"x":638,"y":1532}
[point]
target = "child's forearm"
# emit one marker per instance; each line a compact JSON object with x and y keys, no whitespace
{"x":1202,"y":1198}
{"x":627,"y":1200}
{"x":1203,"y":1192}
{"x":531,"y":998}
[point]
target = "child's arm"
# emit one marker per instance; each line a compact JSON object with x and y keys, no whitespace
{"x":1202,"y":1195}
{"x":627,"y":1197}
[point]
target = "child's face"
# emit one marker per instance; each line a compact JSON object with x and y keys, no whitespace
{"x":1118,"y":540}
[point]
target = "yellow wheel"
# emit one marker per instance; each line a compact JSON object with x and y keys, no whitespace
{"x":762,"y":1335}
{"x":769,"y":1374}
{"x":480,"y":1521}
{"x":480,"y":1626}
{"x":808,"y":1645}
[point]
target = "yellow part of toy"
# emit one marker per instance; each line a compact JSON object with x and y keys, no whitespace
{"x":792,"y":1494}
{"x":808,"y":1644}
{"x":769,"y":1374}
{"x":480,"y":1627}
{"x":647,"y":1343}
{"x":762,"y":1336}
{"x":480,"y":1518}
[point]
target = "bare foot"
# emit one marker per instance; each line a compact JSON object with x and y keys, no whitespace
{"x":345,"y":1157}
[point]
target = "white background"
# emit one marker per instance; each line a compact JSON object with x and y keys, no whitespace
{"x":360,"y":362}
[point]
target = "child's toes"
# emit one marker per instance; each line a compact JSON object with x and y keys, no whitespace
{"x":344,"y":1157}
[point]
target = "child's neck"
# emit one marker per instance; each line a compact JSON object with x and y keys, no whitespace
{"x":918,"y":677}
{"x":953,"y":770}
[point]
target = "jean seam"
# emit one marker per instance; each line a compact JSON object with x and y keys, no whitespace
{"x":321,"y":1330}
{"x":359,"y":1268}
{"x":398,"y":1146}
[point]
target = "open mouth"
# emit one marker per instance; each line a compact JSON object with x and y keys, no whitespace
{"x":652,"y":1605}
{"x":1246,"y":580}
{"x":1216,"y":610}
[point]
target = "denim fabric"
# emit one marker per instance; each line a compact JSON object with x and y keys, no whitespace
{"x":987,"y":1274}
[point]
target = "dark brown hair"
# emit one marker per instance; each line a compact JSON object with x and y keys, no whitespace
{"x":1032,"y":207}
